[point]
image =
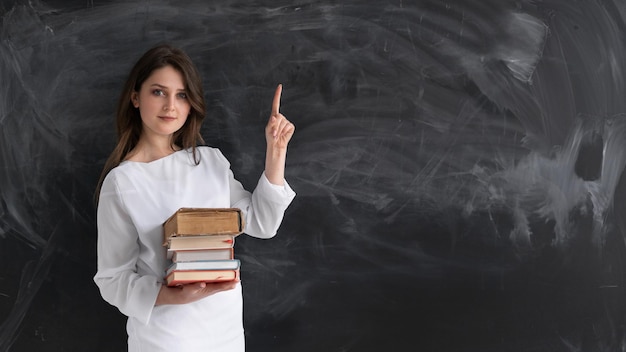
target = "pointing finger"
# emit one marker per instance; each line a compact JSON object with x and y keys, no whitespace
{"x":276,"y":103}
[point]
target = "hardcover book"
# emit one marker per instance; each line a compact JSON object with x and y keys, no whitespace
{"x":203,"y":221}
{"x":202,"y":254}
{"x":189,"y":276}
{"x":200,"y":242}
{"x":229,"y":264}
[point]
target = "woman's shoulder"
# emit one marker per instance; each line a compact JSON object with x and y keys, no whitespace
{"x":204,"y":148}
{"x":116,"y":180}
{"x":211,"y":153}
{"x":118,"y":173}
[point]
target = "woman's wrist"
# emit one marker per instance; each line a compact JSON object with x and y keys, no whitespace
{"x":275,"y":159}
{"x":163,"y":297}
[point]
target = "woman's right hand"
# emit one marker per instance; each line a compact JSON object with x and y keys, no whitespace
{"x":192,"y":292}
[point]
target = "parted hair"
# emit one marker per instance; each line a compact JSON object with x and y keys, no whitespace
{"x":128,"y":119}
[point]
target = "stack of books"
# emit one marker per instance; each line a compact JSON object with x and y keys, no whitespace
{"x":200,"y":244}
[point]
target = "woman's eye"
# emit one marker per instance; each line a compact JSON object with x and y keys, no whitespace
{"x":158,"y":92}
{"x":182,"y":95}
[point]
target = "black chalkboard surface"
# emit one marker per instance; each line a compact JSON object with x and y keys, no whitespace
{"x":458,"y":166}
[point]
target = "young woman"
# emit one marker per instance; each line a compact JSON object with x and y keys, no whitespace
{"x":156,"y":168}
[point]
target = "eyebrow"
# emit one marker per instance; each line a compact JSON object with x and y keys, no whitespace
{"x":164,"y":87}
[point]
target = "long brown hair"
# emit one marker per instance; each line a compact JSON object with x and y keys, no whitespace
{"x":128,"y":120}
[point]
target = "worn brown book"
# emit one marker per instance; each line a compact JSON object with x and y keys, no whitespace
{"x":203,"y":221}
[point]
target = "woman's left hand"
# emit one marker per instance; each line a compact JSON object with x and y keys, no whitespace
{"x":279,"y":130}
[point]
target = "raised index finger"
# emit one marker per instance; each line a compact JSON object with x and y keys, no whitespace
{"x":276,"y":103}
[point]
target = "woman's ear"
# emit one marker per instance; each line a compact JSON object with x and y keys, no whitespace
{"x":134,"y":99}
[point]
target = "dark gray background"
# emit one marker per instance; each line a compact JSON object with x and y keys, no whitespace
{"x":458,"y":167}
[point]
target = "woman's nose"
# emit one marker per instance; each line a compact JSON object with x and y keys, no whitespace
{"x":169,"y":105}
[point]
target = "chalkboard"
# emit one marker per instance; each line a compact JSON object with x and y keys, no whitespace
{"x":458,"y":166}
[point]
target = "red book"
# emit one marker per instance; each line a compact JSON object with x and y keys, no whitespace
{"x":176,"y":278}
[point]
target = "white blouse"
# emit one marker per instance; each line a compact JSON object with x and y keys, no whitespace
{"x":135,"y":200}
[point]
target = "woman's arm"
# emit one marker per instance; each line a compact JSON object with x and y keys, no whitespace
{"x":118,"y":251}
{"x":278,"y":133}
{"x":191,"y":292}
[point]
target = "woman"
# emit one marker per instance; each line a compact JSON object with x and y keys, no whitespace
{"x":156,"y":168}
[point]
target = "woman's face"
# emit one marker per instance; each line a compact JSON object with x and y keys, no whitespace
{"x":162,"y":103}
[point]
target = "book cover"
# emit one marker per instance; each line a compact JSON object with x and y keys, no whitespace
{"x":230,"y":264}
{"x":185,"y":277}
{"x":201,"y":254}
{"x":199,"y":242}
{"x":203,"y":221}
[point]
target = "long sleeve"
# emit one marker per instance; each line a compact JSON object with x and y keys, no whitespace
{"x":264,"y":209}
{"x":118,"y":248}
